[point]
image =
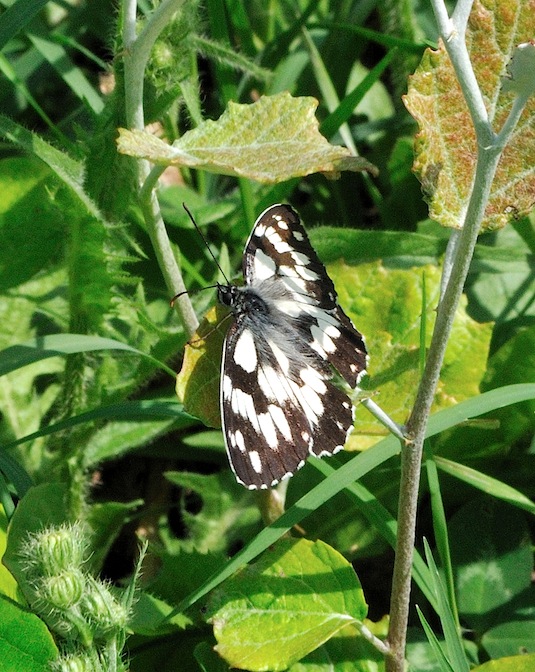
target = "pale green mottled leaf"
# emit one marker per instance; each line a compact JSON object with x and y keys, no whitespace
{"x":521,"y":663}
{"x":271,"y":140}
{"x":385,"y":305}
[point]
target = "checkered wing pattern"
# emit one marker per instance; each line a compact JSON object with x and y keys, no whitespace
{"x":278,"y":401}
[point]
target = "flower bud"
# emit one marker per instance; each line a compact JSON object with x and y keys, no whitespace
{"x":102,"y":609}
{"x":54,"y":550}
{"x":77,"y":662}
{"x":62,"y":591}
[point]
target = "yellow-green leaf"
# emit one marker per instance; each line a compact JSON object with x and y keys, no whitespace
{"x":270,"y":141}
{"x":445,"y":147}
{"x":277,"y":610}
{"x":521,"y":663}
{"x":385,"y":304}
{"x":197,"y":384}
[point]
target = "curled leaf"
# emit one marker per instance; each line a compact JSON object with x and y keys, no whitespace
{"x":270,"y":141}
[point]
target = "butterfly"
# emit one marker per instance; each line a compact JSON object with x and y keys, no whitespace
{"x":278,"y":400}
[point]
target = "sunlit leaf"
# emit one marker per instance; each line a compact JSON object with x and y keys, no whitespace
{"x":274,"y":612}
{"x":270,"y":141}
{"x":446,"y":147}
{"x":385,"y":305}
{"x":197,"y":384}
{"x":26,"y":644}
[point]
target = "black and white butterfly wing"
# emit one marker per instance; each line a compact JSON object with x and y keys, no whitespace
{"x":278,"y":404}
{"x":278,"y":247}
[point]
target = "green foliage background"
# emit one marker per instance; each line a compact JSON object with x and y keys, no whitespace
{"x":91,"y":428}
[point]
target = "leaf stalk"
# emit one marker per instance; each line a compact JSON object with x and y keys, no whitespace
{"x":137,"y":53}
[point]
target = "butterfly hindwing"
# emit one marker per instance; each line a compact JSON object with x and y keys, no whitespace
{"x":278,"y":402}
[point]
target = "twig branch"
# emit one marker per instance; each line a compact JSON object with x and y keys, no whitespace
{"x":384,"y":419}
{"x":460,"y":252}
{"x":137,"y":52}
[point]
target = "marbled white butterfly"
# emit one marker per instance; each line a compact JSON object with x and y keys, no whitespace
{"x":278,"y":403}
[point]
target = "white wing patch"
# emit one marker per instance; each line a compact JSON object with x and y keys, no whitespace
{"x":245,"y":351}
{"x":264,"y":266}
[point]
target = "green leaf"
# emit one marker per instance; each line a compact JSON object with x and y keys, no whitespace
{"x":16,"y":17}
{"x":208,"y":659}
{"x":115,"y":439}
{"x":26,"y":644}
{"x":504,"y":284}
{"x":197,"y":384}
{"x":446,"y":147}
{"x":514,"y":363}
{"x":487,"y":484}
{"x":67,"y":169}
{"x":73,"y":76}
{"x":141,"y":410}
{"x":270,"y":141}
{"x":346,"y":651}
{"x":385,"y":304}
{"x":454,"y":645}
{"x":227,"y":516}
{"x":420,"y":654}
{"x":492,"y":559}
{"x":107,"y":520}
{"x":510,"y":664}
{"x":434,"y":643}
{"x":397,"y":249}
{"x":294,"y":599}
{"x":23,"y":402}
{"x":151,"y":617}
{"x":42,"y":506}
{"x":28,"y":190}
{"x":510,"y":639}
{"x":181,"y":569}
{"x":36,"y":349}
{"x":8,"y":585}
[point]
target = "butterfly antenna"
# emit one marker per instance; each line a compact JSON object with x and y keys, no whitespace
{"x":190,"y":291}
{"x":205,"y":242}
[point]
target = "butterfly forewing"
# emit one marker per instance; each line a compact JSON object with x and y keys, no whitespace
{"x":278,"y":404}
{"x":279,"y":246}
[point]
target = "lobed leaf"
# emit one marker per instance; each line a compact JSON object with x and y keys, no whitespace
{"x":270,"y":141}
{"x":445,"y":147}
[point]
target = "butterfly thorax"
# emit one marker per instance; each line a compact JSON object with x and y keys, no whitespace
{"x":256,"y":308}
{"x":246,"y":304}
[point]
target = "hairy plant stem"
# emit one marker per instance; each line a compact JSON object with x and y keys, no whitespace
{"x":490,"y":147}
{"x":137,"y":51}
